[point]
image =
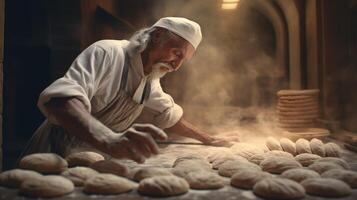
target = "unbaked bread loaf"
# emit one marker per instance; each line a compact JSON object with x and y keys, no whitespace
{"x":162,"y":186}
{"x":47,"y":163}
{"x":279,"y":188}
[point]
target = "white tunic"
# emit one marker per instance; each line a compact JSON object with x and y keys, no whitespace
{"x":94,"y":78}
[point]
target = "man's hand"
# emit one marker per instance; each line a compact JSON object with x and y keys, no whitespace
{"x":136,"y":143}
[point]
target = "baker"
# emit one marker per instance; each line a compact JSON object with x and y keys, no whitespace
{"x":95,"y":104}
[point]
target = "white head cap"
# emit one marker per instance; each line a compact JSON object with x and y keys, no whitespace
{"x":187,"y":29}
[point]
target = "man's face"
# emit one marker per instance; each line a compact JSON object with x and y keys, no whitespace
{"x":169,"y":52}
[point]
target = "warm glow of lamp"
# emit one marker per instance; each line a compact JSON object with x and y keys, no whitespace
{"x":230,"y":1}
{"x":229,"y":4}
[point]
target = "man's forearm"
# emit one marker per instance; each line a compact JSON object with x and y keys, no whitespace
{"x":72,"y":116}
{"x":186,"y":129}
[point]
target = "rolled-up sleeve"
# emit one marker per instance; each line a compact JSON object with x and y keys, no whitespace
{"x":166,"y":112}
{"x":80,"y":81}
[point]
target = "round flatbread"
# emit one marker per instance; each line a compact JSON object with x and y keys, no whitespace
{"x":347,"y":176}
{"x":332,"y":150}
{"x":278,"y":165}
{"x":219,"y":153}
{"x":317,"y":147}
{"x":151,"y":172}
{"x":338,"y":161}
{"x":321,"y":167}
{"x":46,"y":187}
{"x":13,"y":178}
{"x":288,"y":146}
{"x":285,"y":125}
{"x":298,"y":108}
{"x":47,"y":163}
{"x":247,"y":178}
{"x":296,"y":121}
{"x":203,"y":180}
{"x":273,"y":144}
{"x":111,"y":166}
{"x":231,"y":167}
{"x":218,"y":162}
{"x":306,"y":159}
{"x":108,"y":184}
{"x":279,"y":154}
{"x":279,"y":188}
{"x":298,"y":113}
{"x":85,"y":158}
{"x":299,"y":174}
{"x":78,"y":175}
{"x":162,"y":186}
{"x":245,"y":150}
{"x":302,"y":146}
{"x":296,"y":99}
{"x":298,"y":117}
{"x":326,"y":187}
{"x":297,"y":102}
{"x":309,"y":92}
{"x":257,"y":158}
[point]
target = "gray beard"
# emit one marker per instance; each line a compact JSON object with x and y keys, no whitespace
{"x":159,"y":70}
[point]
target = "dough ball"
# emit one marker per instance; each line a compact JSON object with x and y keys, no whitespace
{"x":321,"y":167}
{"x":302,"y":146}
{"x":273,"y":144}
{"x":220,"y":161}
{"x":78,"y":175}
{"x":279,"y":188}
{"x":306,"y":159}
{"x":245,"y":150}
{"x":219,"y":153}
{"x":46,"y":187}
{"x":183,"y":172}
{"x":247,"y":178}
{"x":347,"y":176}
{"x":203,"y":180}
{"x":231,"y":167}
{"x":317,"y":147}
{"x":13,"y":178}
{"x":257,"y":158}
{"x":326,"y":187}
{"x":107,"y":184}
{"x":162,"y":186}
{"x":338,"y":161}
{"x":111,"y":166}
{"x":85,"y":158}
{"x":47,"y":163}
{"x":151,"y":172}
{"x":277,"y":165}
{"x":332,"y":150}
{"x":288,"y":146}
{"x":279,"y":154}
{"x":299,"y":174}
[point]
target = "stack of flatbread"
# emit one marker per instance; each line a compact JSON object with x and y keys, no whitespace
{"x":297,"y":109}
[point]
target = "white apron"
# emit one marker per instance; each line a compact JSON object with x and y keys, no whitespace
{"x":118,"y":115}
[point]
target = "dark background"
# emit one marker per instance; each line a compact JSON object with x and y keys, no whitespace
{"x":41,"y":39}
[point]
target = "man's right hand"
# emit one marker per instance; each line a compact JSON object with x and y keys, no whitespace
{"x":136,"y":143}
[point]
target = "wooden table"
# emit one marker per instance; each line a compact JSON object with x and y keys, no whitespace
{"x":165,"y":159}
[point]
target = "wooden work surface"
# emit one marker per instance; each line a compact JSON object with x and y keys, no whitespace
{"x":165,"y":159}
